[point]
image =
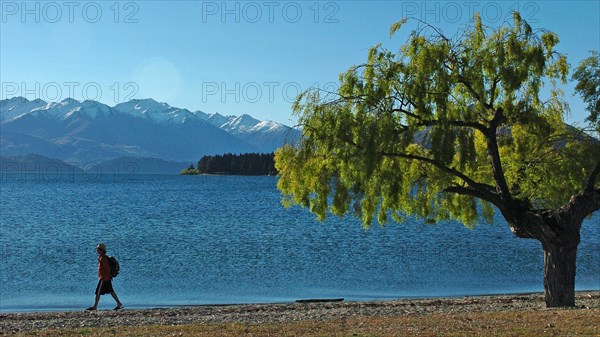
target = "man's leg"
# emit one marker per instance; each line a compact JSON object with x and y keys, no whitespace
{"x":97,"y":299}
{"x":114,"y":295}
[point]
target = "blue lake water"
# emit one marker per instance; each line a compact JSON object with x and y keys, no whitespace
{"x":212,"y":239}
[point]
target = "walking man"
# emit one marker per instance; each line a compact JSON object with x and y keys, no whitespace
{"x":104,"y":279}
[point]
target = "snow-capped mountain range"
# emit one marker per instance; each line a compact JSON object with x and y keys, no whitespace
{"x":89,"y":132}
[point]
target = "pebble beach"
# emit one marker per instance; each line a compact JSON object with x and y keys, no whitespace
{"x":30,"y":322}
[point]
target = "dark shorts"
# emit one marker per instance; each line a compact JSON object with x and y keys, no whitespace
{"x":104,"y":287}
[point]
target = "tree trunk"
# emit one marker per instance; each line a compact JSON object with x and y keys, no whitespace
{"x":559,"y":274}
{"x":559,"y":232}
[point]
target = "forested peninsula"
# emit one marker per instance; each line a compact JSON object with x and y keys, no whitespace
{"x":253,"y":164}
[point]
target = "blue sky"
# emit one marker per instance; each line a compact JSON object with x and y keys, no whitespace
{"x":235,"y":57}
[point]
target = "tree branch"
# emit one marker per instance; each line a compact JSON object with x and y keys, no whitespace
{"x":494,"y":154}
{"x":591,"y":181}
{"x":493,"y":91}
{"x":582,"y":205}
{"x":434,"y":122}
{"x":465,"y":124}
{"x":489,"y":197}
{"x":473,"y":92}
{"x":483,"y":190}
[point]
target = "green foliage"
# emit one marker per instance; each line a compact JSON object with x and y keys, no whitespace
{"x":413,"y":133}
{"x":189,"y":171}
{"x":396,"y":26}
{"x":587,"y":76}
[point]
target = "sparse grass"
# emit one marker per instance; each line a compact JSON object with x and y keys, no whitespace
{"x":567,"y":322}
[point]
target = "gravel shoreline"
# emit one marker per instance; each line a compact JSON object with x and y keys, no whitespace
{"x":15,"y":323}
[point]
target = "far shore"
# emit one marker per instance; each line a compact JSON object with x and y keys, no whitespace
{"x":284,"y":313}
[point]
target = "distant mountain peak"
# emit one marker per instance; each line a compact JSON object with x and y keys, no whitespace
{"x":146,"y":100}
{"x":247,"y":119}
{"x":17,"y":99}
{"x":149,"y":103}
{"x":17,"y":107}
{"x":158,"y":112}
{"x":68,"y":101}
{"x":240,"y":123}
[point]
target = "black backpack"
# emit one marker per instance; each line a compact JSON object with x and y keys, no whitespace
{"x":114,"y":266}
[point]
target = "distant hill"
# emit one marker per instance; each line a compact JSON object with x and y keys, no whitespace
{"x":36,"y":164}
{"x":131,"y":165}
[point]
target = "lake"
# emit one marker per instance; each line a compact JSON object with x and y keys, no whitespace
{"x":188,"y":240}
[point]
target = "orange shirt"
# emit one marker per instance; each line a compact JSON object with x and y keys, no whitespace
{"x":103,"y":268}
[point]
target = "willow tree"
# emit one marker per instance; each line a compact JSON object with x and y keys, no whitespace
{"x":452,"y":128}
